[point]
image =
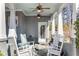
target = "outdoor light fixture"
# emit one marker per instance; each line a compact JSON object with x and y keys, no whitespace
{"x":38,"y":16}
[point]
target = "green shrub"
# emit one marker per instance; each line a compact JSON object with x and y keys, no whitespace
{"x":1,"y":53}
{"x":77,"y":32}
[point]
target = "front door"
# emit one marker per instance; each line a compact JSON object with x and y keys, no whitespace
{"x":41,"y":32}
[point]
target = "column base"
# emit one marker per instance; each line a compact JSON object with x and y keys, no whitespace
{"x":3,"y":46}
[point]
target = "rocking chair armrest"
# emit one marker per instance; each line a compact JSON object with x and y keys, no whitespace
{"x":54,"y":48}
{"x":31,"y":42}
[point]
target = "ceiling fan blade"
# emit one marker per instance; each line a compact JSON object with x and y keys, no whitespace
{"x":34,"y":10}
{"x":45,"y":8}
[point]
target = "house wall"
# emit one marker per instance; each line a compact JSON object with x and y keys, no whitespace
{"x":31,"y":25}
{"x":28,"y":25}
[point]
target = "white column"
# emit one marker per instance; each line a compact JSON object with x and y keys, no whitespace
{"x":12,"y":24}
{"x":3,"y":46}
{"x":12,"y":30}
{"x":73,"y":30}
{"x":53,"y":24}
{"x":47,"y":31}
{"x":60,"y":25}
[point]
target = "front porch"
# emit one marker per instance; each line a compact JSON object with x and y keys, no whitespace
{"x":27,"y":35}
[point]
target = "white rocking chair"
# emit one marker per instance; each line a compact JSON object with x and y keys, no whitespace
{"x":25,"y":48}
{"x":56,"y":47}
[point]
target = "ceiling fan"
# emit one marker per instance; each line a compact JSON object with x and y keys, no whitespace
{"x":39,"y":8}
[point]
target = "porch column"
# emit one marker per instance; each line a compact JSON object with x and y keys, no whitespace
{"x":73,"y":37}
{"x":60,"y":26}
{"x":3,"y":44}
{"x":12,"y":30}
{"x":53,"y":24}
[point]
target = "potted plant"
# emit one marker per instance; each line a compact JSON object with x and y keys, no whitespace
{"x":1,"y":53}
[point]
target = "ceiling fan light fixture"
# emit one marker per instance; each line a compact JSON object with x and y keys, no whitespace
{"x":38,"y":11}
{"x":38,"y":16}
